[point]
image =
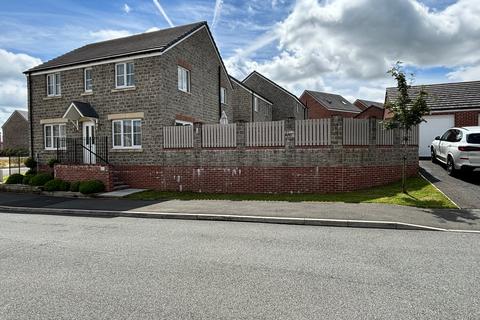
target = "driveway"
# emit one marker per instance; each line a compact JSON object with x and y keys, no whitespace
{"x":463,"y":190}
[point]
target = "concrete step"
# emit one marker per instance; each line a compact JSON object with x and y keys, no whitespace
{"x":120,"y":187}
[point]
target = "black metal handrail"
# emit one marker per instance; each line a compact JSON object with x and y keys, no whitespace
{"x":91,"y":150}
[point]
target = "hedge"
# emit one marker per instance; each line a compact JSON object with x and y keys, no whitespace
{"x":75,"y":186}
{"x":57,"y":185}
{"x":15,"y":178}
{"x":93,"y":186}
{"x":40,"y":179}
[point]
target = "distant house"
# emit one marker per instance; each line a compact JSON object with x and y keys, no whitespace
{"x":285,"y":104}
{"x":16,"y":131}
{"x":247,"y":105}
{"x":451,"y":104}
{"x":370,"y":109}
{"x":325,"y":105}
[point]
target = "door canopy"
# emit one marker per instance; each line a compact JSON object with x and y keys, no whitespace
{"x":79,"y":112}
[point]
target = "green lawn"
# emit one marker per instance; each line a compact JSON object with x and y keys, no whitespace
{"x":421,"y":194}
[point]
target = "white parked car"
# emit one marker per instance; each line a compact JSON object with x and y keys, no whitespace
{"x":458,"y":148}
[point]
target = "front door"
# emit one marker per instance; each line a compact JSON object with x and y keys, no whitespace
{"x":89,"y":143}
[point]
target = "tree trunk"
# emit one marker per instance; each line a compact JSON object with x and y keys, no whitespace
{"x":404,"y":169}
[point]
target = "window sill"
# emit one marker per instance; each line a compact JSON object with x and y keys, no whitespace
{"x":133,"y":150}
{"x":52,"y":97}
{"x":55,"y":149}
{"x":87,"y":93}
{"x":124,"y":89}
{"x":187,"y":92}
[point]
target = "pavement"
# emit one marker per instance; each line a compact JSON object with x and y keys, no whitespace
{"x":335,"y":214}
{"x":464,"y":190}
{"x":60,"y":267}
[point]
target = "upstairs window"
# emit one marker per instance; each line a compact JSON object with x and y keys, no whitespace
{"x":54,"y":136}
{"x":88,"y":80}
{"x":223,"y":95}
{"x":127,"y":133}
{"x":124,"y":75}
{"x":183,"y":79}
{"x":255,"y":104}
{"x":53,"y":84}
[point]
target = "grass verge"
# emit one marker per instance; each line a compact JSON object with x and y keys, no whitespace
{"x":421,"y":194}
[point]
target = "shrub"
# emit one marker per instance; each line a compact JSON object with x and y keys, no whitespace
{"x":40,"y":179}
{"x":52,"y":162}
{"x":15,"y":178}
{"x":93,"y":186}
{"x":75,"y":186}
{"x":30,"y":172}
{"x":30,"y":163}
{"x":57,"y":185}
{"x":27,"y":178}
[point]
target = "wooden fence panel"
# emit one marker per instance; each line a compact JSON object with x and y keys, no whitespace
{"x":356,"y":131}
{"x":219,"y":136}
{"x":384,"y":136}
{"x":265,"y":134}
{"x":178,"y":137}
{"x":313,"y":132}
{"x":413,"y":134}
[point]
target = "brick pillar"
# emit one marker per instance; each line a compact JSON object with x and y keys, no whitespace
{"x":372,"y":125}
{"x":337,"y":131}
{"x":241,"y":134}
{"x":290,"y":133}
{"x":197,"y":135}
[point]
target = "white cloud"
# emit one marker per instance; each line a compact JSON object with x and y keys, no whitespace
{"x":339,"y":41}
{"x":471,"y":73}
{"x":163,"y":13}
{"x":152,"y":29}
{"x":108,"y":34}
{"x":216,"y":12}
{"x":126,"y":8}
{"x":13,"y":88}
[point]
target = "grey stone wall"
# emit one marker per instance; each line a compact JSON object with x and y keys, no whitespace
{"x":284,"y":105}
{"x":155,"y":94}
{"x":242,"y":105}
{"x":16,"y":133}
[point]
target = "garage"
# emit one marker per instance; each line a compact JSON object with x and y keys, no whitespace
{"x":435,"y":125}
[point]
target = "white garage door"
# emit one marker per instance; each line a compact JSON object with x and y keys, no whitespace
{"x":435,"y":126}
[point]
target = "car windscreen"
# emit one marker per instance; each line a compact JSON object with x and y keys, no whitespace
{"x":473,"y":138}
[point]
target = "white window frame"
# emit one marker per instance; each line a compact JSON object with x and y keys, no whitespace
{"x":85,"y":79}
{"x":125,"y":85}
{"x":56,"y":84}
{"x":255,"y":103}
{"x":185,"y":87}
{"x":52,"y":139}
{"x":183,"y":123}
{"x":122,"y":142}
{"x":223,"y":95}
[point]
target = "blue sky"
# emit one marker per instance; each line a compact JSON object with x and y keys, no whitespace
{"x":342,"y":46}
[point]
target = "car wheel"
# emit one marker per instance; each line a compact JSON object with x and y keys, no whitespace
{"x":433,"y":155}
{"x":451,"y":167}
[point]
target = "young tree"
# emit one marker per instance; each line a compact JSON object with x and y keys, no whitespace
{"x":406,"y":111}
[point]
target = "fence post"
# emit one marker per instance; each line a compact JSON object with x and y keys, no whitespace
{"x":290,"y":133}
{"x":337,"y":131}
{"x":241,"y":136}
{"x":197,"y":135}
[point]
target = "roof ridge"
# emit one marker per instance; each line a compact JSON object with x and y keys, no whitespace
{"x":440,"y":84}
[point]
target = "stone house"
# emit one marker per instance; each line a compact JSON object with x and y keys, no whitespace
{"x":326,"y":105}
{"x":451,"y":105}
{"x":249,"y":106}
{"x":16,"y":131}
{"x":370,"y":109}
{"x":285,"y":104}
{"x":125,"y":90}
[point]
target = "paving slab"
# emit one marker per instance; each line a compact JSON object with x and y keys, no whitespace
{"x":120,"y":193}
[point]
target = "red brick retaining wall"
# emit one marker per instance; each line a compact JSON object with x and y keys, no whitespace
{"x":259,"y":179}
{"x":74,"y":173}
